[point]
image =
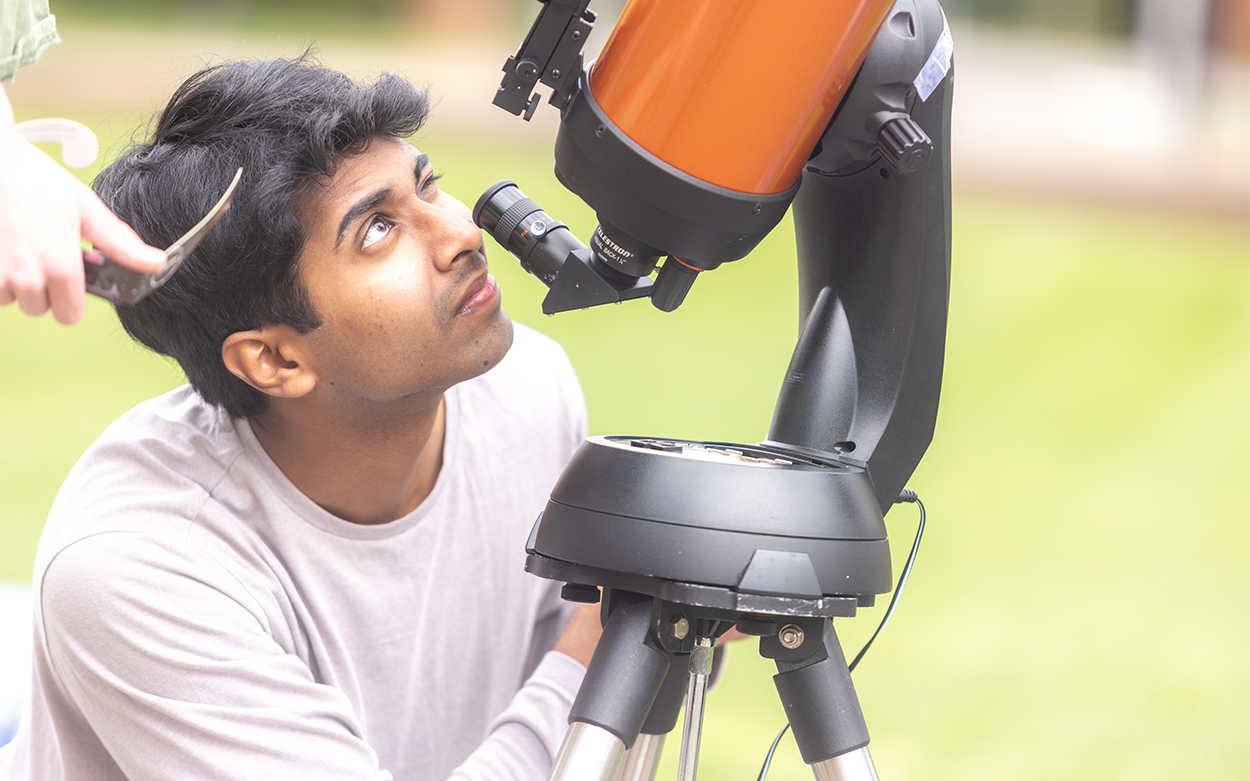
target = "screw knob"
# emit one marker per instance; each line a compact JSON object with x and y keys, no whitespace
{"x":791,"y":636}
{"x":904,"y":145}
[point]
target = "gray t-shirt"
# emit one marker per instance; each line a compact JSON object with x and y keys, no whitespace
{"x":198,"y":617}
{"x":27,"y":29}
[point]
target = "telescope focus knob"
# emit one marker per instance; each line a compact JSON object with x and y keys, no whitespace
{"x":672,"y":284}
{"x":904,"y":145}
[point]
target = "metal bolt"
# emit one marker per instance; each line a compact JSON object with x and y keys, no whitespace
{"x":599,"y":131}
{"x":757,"y":208}
{"x":790,"y":636}
{"x":555,"y":73}
{"x":577,"y":35}
{"x":680,"y":627}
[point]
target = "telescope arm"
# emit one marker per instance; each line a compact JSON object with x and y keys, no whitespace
{"x":874,"y":248}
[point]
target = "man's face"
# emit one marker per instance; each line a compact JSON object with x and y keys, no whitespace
{"x":397,"y":271}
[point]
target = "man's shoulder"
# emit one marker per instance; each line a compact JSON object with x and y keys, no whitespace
{"x":157,"y":462}
{"x":175,"y":433}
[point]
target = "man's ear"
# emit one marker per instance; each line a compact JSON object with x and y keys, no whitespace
{"x":271,"y":360}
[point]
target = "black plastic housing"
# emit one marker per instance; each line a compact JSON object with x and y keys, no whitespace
{"x":796,"y":536}
{"x":874,"y":252}
{"x":625,"y":674}
{"x":655,"y":203}
{"x":820,"y":701}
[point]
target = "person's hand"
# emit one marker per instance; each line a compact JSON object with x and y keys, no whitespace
{"x":581,"y":635}
{"x":44,"y":211}
{"x":733,"y":635}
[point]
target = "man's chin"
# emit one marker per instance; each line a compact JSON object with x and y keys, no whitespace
{"x":497,"y":341}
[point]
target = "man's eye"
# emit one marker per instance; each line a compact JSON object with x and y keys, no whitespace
{"x":378,"y":228}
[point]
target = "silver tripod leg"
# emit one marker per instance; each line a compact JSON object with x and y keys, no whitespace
{"x":696,"y":692}
{"x":589,"y":753}
{"x":642,"y":761}
{"x":852,"y":766}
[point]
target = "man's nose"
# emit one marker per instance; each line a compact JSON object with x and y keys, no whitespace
{"x":459,"y":238}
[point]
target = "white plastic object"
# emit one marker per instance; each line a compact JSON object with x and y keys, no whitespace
{"x":79,"y":146}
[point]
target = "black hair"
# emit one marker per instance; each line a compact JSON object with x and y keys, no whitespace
{"x":287,"y":123}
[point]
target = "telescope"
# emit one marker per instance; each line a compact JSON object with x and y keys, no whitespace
{"x":699,"y":125}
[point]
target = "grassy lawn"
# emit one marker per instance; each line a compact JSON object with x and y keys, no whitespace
{"x":1079,"y":609}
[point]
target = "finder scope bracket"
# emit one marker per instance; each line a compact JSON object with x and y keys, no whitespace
{"x":551,"y":54}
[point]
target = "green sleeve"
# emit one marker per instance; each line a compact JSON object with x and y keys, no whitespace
{"x":27,"y":29}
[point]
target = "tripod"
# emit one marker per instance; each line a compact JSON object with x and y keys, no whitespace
{"x":659,"y":631}
{"x":625,"y":717}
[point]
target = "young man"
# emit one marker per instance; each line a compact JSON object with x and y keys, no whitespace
{"x":309,"y":563}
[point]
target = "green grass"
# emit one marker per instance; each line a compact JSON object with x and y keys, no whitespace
{"x":1079,"y":609}
{"x":389,"y":20}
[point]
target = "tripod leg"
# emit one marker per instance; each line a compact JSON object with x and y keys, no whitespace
{"x":819,"y":699}
{"x":696,"y":692}
{"x":854,"y":765}
{"x":624,"y":676}
{"x":641,"y":761}
{"x":588,"y":753}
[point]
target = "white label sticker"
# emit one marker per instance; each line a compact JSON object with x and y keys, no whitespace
{"x":939,"y":63}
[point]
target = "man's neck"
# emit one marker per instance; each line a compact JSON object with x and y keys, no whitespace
{"x":365,"y":465}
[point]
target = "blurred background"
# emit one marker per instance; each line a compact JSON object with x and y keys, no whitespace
{"x":1081,"y":605}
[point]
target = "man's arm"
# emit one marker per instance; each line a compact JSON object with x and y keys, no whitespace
{"x":170,"y":661}
{"x":44,"y":211}
{"x":581,"y":635}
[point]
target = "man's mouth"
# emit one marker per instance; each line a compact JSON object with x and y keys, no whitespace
{"x":483,"y":292}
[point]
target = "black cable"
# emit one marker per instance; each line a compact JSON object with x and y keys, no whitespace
{"x":905,"y":496}
{"x":768,"y":760}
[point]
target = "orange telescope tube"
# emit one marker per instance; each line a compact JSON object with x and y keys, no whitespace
{"x":733,"y":92}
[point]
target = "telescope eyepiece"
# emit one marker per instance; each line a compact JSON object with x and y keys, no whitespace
{"x":525,"y":230}
{"x":615,"y":266}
